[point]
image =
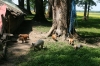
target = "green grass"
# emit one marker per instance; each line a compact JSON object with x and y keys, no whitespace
{"x":91,"y":14}
{"x":61,"y":53}
{"x":42,"y":28}
{"x":90,"y":27}
{"x":29,"y":17}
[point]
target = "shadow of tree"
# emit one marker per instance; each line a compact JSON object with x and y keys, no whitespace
{"x":90,"y":23}
{"x":25,"y":27}
{"x":89,"y":37}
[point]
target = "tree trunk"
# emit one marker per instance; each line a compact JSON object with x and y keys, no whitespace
{"x":49,"y":10}
{"x":34,"y":8}
{"x":88,"y":10}
{"x":85,"y":11}
{"x":61,"y":18}
{"x":21,"y":3}
{"x":59,"y":26}
{"x":39,"y":16}
{"x":28,"y":7}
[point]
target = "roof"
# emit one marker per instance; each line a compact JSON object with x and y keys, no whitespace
{"x":13,"y":8}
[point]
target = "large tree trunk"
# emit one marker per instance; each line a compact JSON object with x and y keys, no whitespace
{"x":59,"y":8}
{"x":61,"y":18}
{"x":39,"y":16}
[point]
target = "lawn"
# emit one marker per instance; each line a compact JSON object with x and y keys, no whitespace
{"x":61,"y":53}
{"x":58,"y":54}
{"x":89,"y":27}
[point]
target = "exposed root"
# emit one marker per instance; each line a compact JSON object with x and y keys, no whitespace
{"x":50,"y":31}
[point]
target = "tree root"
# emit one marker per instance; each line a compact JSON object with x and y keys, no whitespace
{"x":50,"y":31}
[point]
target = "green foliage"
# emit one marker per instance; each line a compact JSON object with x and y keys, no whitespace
{"x":32,"y":4}
{"x":81,"y":3}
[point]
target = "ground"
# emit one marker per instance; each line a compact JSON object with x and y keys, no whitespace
{"x":18,"y":49}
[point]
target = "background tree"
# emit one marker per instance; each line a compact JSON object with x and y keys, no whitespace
{"x":32,"y":5}
{"x":49,"y":9}
{"x":83,"y":3}
{"x":21,"y":3}
{"x":85,"y":10}
{"x":39,"y":16}
{"x":90,"y":4}
{"x":28,"y":7}
{"x":86,"y":4}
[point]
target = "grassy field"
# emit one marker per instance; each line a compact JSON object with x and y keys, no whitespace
{"x":62,"y":54}
{"x":58,"y":54}
{"x":91,"y":14}
{"x":89,"y":27}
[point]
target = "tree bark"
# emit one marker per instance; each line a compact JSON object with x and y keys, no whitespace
{"x":61,"y":18}
{"x":59,"y":8}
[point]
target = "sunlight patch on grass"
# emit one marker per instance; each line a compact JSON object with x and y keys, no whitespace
{"x":29,"y":17}
{"x":56,"y":55}
{"x":42,"y":28}
{"x":89,"y":27}
{"x":95,"y":15}
{"x":88,"y":31}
